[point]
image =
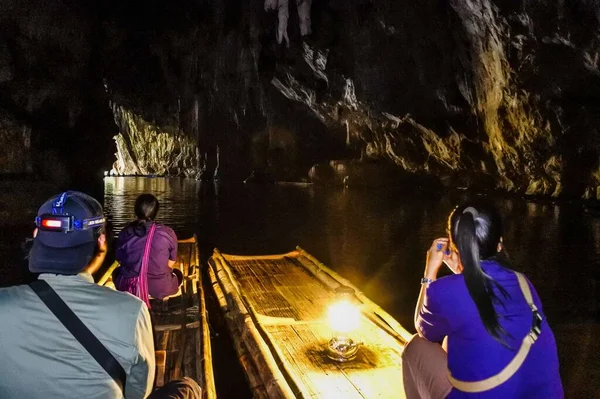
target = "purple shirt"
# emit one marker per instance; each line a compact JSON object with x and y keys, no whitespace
{"x":473,"y":354}
{"x":130,"y":250}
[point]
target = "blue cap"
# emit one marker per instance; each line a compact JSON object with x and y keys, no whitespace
{"x":67,"y":251}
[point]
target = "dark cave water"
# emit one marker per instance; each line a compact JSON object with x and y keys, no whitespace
{"x":378,"y":238}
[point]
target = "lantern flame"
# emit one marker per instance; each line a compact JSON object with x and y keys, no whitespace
{"x":344,"y":317}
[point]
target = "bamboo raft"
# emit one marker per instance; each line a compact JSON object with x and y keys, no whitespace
{"x":275,"y":307}
{"x":181,"y":334}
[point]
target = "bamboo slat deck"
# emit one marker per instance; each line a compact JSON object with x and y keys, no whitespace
{"x":275,"y":307}
{"x":181,"y":334}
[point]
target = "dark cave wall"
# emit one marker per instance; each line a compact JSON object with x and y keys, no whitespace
{"x":477,"y":93}
{"x":471,"y":93}
{"x":55,"y":120}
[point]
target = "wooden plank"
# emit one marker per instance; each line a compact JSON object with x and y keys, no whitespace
{"x":254,"y":378}
{"x":161,"y":359}
{"x":173,"y":327}
{"x":377,"y":364}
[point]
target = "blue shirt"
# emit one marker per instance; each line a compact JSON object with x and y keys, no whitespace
{"x":473,"y":354}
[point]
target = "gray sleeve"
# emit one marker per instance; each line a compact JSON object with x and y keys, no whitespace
{"x":141,"y":376}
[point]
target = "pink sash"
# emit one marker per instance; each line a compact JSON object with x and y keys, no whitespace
{"x":138,"y":286}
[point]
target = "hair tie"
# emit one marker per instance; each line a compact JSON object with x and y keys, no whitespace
{"x":472,"y":211}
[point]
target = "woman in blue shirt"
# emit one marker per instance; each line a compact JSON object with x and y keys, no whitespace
{"x":492,"y":348}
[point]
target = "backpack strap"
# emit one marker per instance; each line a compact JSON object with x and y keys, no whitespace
{"x":86,"y":338}
{"x":517,"y":361}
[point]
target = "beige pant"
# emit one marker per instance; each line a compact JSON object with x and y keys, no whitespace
{"x":425,"y":370}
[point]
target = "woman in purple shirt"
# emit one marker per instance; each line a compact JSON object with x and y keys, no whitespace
{"x":162,"y":279}
{"x":482,"y":315}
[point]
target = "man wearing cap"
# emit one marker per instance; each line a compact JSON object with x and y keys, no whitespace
{"x":63,"y":336}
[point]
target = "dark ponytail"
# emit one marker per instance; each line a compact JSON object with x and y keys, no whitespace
{"x":145,"y":208}
{"x":476,"y":234}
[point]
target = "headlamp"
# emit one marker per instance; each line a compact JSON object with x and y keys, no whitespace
{"x":67,"y":223}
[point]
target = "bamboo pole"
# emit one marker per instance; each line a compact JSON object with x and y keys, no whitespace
{"x":266,"y":366}
{"x":218,"y":291}
{"x":230,"y":257}
{"x":208,"y":389}
{"x":199,"y":364}
{"x":108,"y":273}
{"x":253,"y":377}
{"x":329,"y":276}
{"x":273,"y":379}
{"x":185,"y":296}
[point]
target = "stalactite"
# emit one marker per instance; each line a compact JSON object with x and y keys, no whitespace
{"x":283,"y":14}
{"x":349,"y":95}
{"x":304,"y":16}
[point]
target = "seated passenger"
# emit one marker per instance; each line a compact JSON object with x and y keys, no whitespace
{"x":147,"y":251}
{"x":58,"y":335}
{"x":499,"y":344}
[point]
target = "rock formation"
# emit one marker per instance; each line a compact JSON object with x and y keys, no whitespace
{"x":487,"y":94}
{"x":145,"y":149}
{"x":466,"y":91}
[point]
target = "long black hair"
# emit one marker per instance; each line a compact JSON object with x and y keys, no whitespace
{"x":476,"y":231}
{"x":145,"y":208}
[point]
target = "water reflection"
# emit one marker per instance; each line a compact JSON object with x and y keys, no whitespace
{"x":178,"y":200}
{"x":377,"y":239}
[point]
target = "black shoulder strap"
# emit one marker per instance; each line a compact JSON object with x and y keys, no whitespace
{"x":76,"y":327}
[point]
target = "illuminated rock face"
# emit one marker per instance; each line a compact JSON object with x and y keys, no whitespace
{"x":476,"y":93}
{"x":145,"y":149}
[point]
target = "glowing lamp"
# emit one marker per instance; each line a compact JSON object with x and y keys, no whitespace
{"x":344,"y":320}
{"x":49,"y":223}
{"x":343,"y":317}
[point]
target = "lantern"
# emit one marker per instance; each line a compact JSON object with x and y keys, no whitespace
{"x":344,"y":320}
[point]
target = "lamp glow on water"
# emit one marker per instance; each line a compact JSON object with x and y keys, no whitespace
{"x":344,"y":320}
